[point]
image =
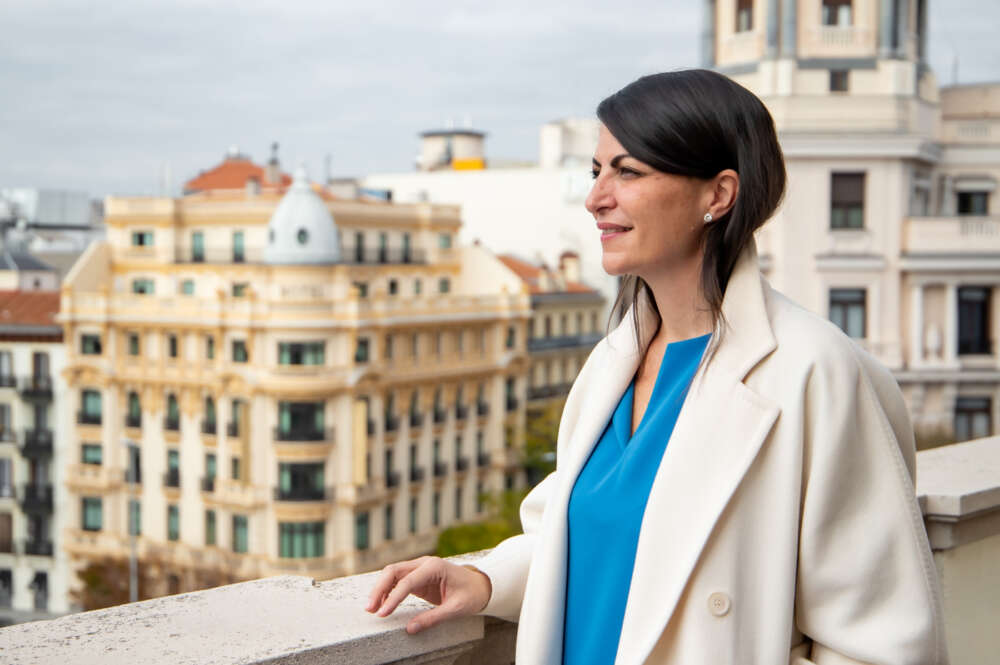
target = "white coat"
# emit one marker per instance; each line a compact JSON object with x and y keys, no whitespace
{"x":781,"y":526}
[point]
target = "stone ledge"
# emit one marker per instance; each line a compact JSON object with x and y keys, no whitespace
{"x":279,"y":621}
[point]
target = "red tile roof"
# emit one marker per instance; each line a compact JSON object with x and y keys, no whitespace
{"x":233,"y":173}
{"x":29,"y":308}
{"x":529,"y":274}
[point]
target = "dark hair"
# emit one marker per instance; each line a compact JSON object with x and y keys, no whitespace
{"x":697,"y":123}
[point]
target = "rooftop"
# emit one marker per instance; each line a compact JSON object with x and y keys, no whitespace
{"x":534,"y":276}
{"x":233,"y":173}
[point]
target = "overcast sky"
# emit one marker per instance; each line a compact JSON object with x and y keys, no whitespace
{"x":100,"y":96}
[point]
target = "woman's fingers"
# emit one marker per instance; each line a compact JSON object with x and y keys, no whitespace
{"x":391,"y":574}
{"x":416,"y":578}
{"x":431,"y":617}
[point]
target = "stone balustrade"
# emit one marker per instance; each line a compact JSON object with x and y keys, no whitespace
{"x":295,"y":621}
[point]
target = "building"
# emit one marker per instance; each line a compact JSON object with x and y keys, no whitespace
{"x":903,"y":250}
{"x":566,"y":322}
{"x":509,"y":207}
{"x":284,"y":382}
{"x":33,"y":567}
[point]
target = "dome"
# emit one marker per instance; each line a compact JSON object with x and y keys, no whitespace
{"x":301,"y":230}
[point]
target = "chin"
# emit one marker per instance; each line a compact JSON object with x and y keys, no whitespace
{"x":614,"y":265}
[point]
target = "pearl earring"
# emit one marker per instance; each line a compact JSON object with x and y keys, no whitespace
{"x":708,"y":217}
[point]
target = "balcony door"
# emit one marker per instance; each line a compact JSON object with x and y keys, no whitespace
{"x":40,"y":364}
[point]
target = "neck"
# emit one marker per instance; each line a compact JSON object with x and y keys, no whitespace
{"x":684,"y":311}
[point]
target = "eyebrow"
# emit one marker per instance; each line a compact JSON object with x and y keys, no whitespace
{"x":614,"y":160}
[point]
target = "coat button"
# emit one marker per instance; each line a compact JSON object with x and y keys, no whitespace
{"x":719,"y":604}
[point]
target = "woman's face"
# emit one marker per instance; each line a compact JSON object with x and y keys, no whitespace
{"x":650,"y":222}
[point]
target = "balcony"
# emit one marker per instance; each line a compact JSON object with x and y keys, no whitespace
{"x":371,"y":426}
{"x":545,"y":392}
{"x":483,"y":459}
{"x":8,"y":381}
{"x":38,"y":547}
{"x":416,"y":419}
{"x":172,"y":423}
{"x":208,"y":484}
{"x":37,"y":443}
{"x":391,"y":423}
{"x":302,"y":494}
{"x":8,"y":435}
{"x":86,"y":418}
{"x":127,"y":475}
{"x":303,"y":434}
{"x":392,"y":479}
{"x":360,"y":255}
{"x":36,"y":498}
{"x":564,"y":342}
{"x":233,"y":429}
{"x":440,"y":469}
{"x":944,"y":238}
{"x":461,"y":411}
{"x":172,"y":478}
{"x":36,"y":388}
{"x":482,"y":409}
{"x":416,"y":474}
{"x":133,"y":420}
{"x":462,"y":464}
{"x":511,"y":403}
{"x":210,"y":427}
{"x":439,"y":415}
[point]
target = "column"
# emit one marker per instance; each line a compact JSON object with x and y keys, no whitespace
{"x":708,"y":33}
{"x":789,"y":28}
{"x":886,"y":26}
{"x":916,"y":354}
{"x":951,"y":324}
{"x":947,"y":203}
{"x":771,"y":50}
{"x":903,"y":30}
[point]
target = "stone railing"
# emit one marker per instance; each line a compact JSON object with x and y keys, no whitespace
{"x":293,"y":620}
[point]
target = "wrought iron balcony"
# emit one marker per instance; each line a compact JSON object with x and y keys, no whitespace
{"x":8,"y":435}
{"x":208,"y":483}
{"x":371,"y":426}
{"x":37,"y":443}
{"x":172,"y":478}
{"x":462,"y":463}
{"x":483,"y":459}
{"x":416,"y":474}
{"x":38,"y":547}
{"x":172,"y":424}
{"x":439,"y":415}
{"x":392,"y":479}
{"x":301,"y":494}
{"x":482,"y":408}
{"x":233,"y":429}
{"x":36,"y":498}
{"x":461,"y":411}
{"x":440,"y":469}
{"x":361,"y":255}
{"x":391,"y":423}
{"x":303,"y":434}
{"x":87,"y":418}
{"x":209,"y":427}
{"x":37,"y":388}
{"x":416,"y":419}
{"x":511,"y":403}
{"x":133,"y":420}
{"x":8,"y":381}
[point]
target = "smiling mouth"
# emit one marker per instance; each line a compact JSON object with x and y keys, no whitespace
{"x":610,"y":229}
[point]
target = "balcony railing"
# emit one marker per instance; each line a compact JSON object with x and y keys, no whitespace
{"x":439,"y":415}
{"x":391,"y":423}
{"x":86,"y":418}
{"x":544,"y":392}
{"x":975,"y":347}
{"x":38,"y":547}
{"x":355,"y":255}
{"x":462,"y":464}
{"x":440,"y":469}
{"x":172,"y":424}
{"x":8,"y":435}
{"x":8,"y":381}
{"x":416,"y":419}
{"x":208,"y":484}
{"x":172,"y":478}
{"x":483,"y":459}
{"x":564,"y":342}
{"x":511,"y":403}
{"x":482,"y":408}
{"x":36,"y":387}
{"x":36,"y":498}
{"x":233,"y":429}
{"x":303,"y":434}
{"x":416,"y":474}
{"x":301,"y":494}
{"x":461,"y":411}
{"x":371,"y":426}
{"x":37,"y":443}
{"x":133,"y":420}
{"x":392,"y":479}
{"x":127,"y":475}
{"x":209,"y":427}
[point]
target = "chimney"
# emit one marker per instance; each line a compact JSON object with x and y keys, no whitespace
{"x":273,"y":172}
{"x":569,"y":266}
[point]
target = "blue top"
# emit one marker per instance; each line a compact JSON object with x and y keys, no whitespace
{"x":607,"y":504}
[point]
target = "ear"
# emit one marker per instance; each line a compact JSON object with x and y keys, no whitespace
{"x":723,"y":189}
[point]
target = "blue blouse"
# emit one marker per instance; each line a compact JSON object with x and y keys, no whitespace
{"x":607,"y":504}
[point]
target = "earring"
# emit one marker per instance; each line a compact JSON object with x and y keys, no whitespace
{"x":708,"y":217}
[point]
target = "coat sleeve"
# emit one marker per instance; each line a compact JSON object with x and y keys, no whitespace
{"x":508,"y":563}
{"x":866,"y":585}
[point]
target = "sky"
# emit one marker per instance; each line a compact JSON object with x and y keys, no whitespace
{"x":118,"y":97}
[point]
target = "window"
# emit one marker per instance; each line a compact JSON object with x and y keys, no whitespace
{"x":209,"y":347}
{"x":387,"y":520}
{"x":6,"y":427}
{"x":973,"y":203}
{"x":361,"y":531}
{"x":436,"y":509}
{"x":239,"y":351}
{"x":240,"y":289}
{"x":444,"y":285}
{"x":210,"y":414}
{"x":511,"y":337}
{"x":6,"y":482}
{"x":173,"y":478}
{"x":235,"y":468}
{"x":209,"y":527}
{"x":133,"y":344}
{"x":142,"y":238}
{"x":414,"y":345}
{"x":92,"y":513}
{"x":361,"y":353}
{"x":362,"y":289}
{"x":972,"y":418}
{"x":240,"y":534}
{"x":187,"y":287}
{"x":393,"y":287}
{"x":197,"y":246}
{"x":418,"y":286}
{"x":300,"y":482}
{"x":359,"y":247}
{"x":6,"y":369}
{"x":238,"y":249}
{"x":406,"y":248}
{"x":134,"y":517}
{"x":91,"y":453}
{"x":838,"y":80}
{"x":172,"y":346}
{"x":300,"y":540}
{"x":837,"y":13}
{"x":173,"y":522}
{"x":210,"y":462}
{"x":847,"y":200}
{"x":90,"y":345}
{"x":142,"y":286}
{"x":301,"y":353}
{"x":593,"y":322}
{"x":847,"y":310}
{"x":479,"y":496}
{"x":173,"y":420}
{"x":383,"y":247}
{"x":413,"y":514}
{"x":302,"y":236}
{"x":387,"y":350}
{"x":458,"y":503}
{"x":974,"y":320}
{"x":444,"y":241}
{"x":91,"y":414}
{"x":134,"y":471}
{"x":437,"y":344}
{"x":744,"y":16}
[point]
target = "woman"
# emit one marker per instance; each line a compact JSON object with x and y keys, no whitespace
{"x":735,"y":476}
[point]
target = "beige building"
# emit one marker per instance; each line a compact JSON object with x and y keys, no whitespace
{"x":890,"y":224}
{"x":309,"y":385}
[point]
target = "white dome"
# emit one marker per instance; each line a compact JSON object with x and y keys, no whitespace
{"x":301,"y":229}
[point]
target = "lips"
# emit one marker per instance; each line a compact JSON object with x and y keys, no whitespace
{"x":612,"y":228}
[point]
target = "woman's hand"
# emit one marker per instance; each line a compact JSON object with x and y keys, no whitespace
{"x":456,"y":590}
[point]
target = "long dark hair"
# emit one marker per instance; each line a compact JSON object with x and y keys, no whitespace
{"x":697,"y":123}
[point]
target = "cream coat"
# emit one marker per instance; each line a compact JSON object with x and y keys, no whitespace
{"x":781,"y":526}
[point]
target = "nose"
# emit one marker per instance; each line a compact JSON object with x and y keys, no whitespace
{"x":600,"y":196}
